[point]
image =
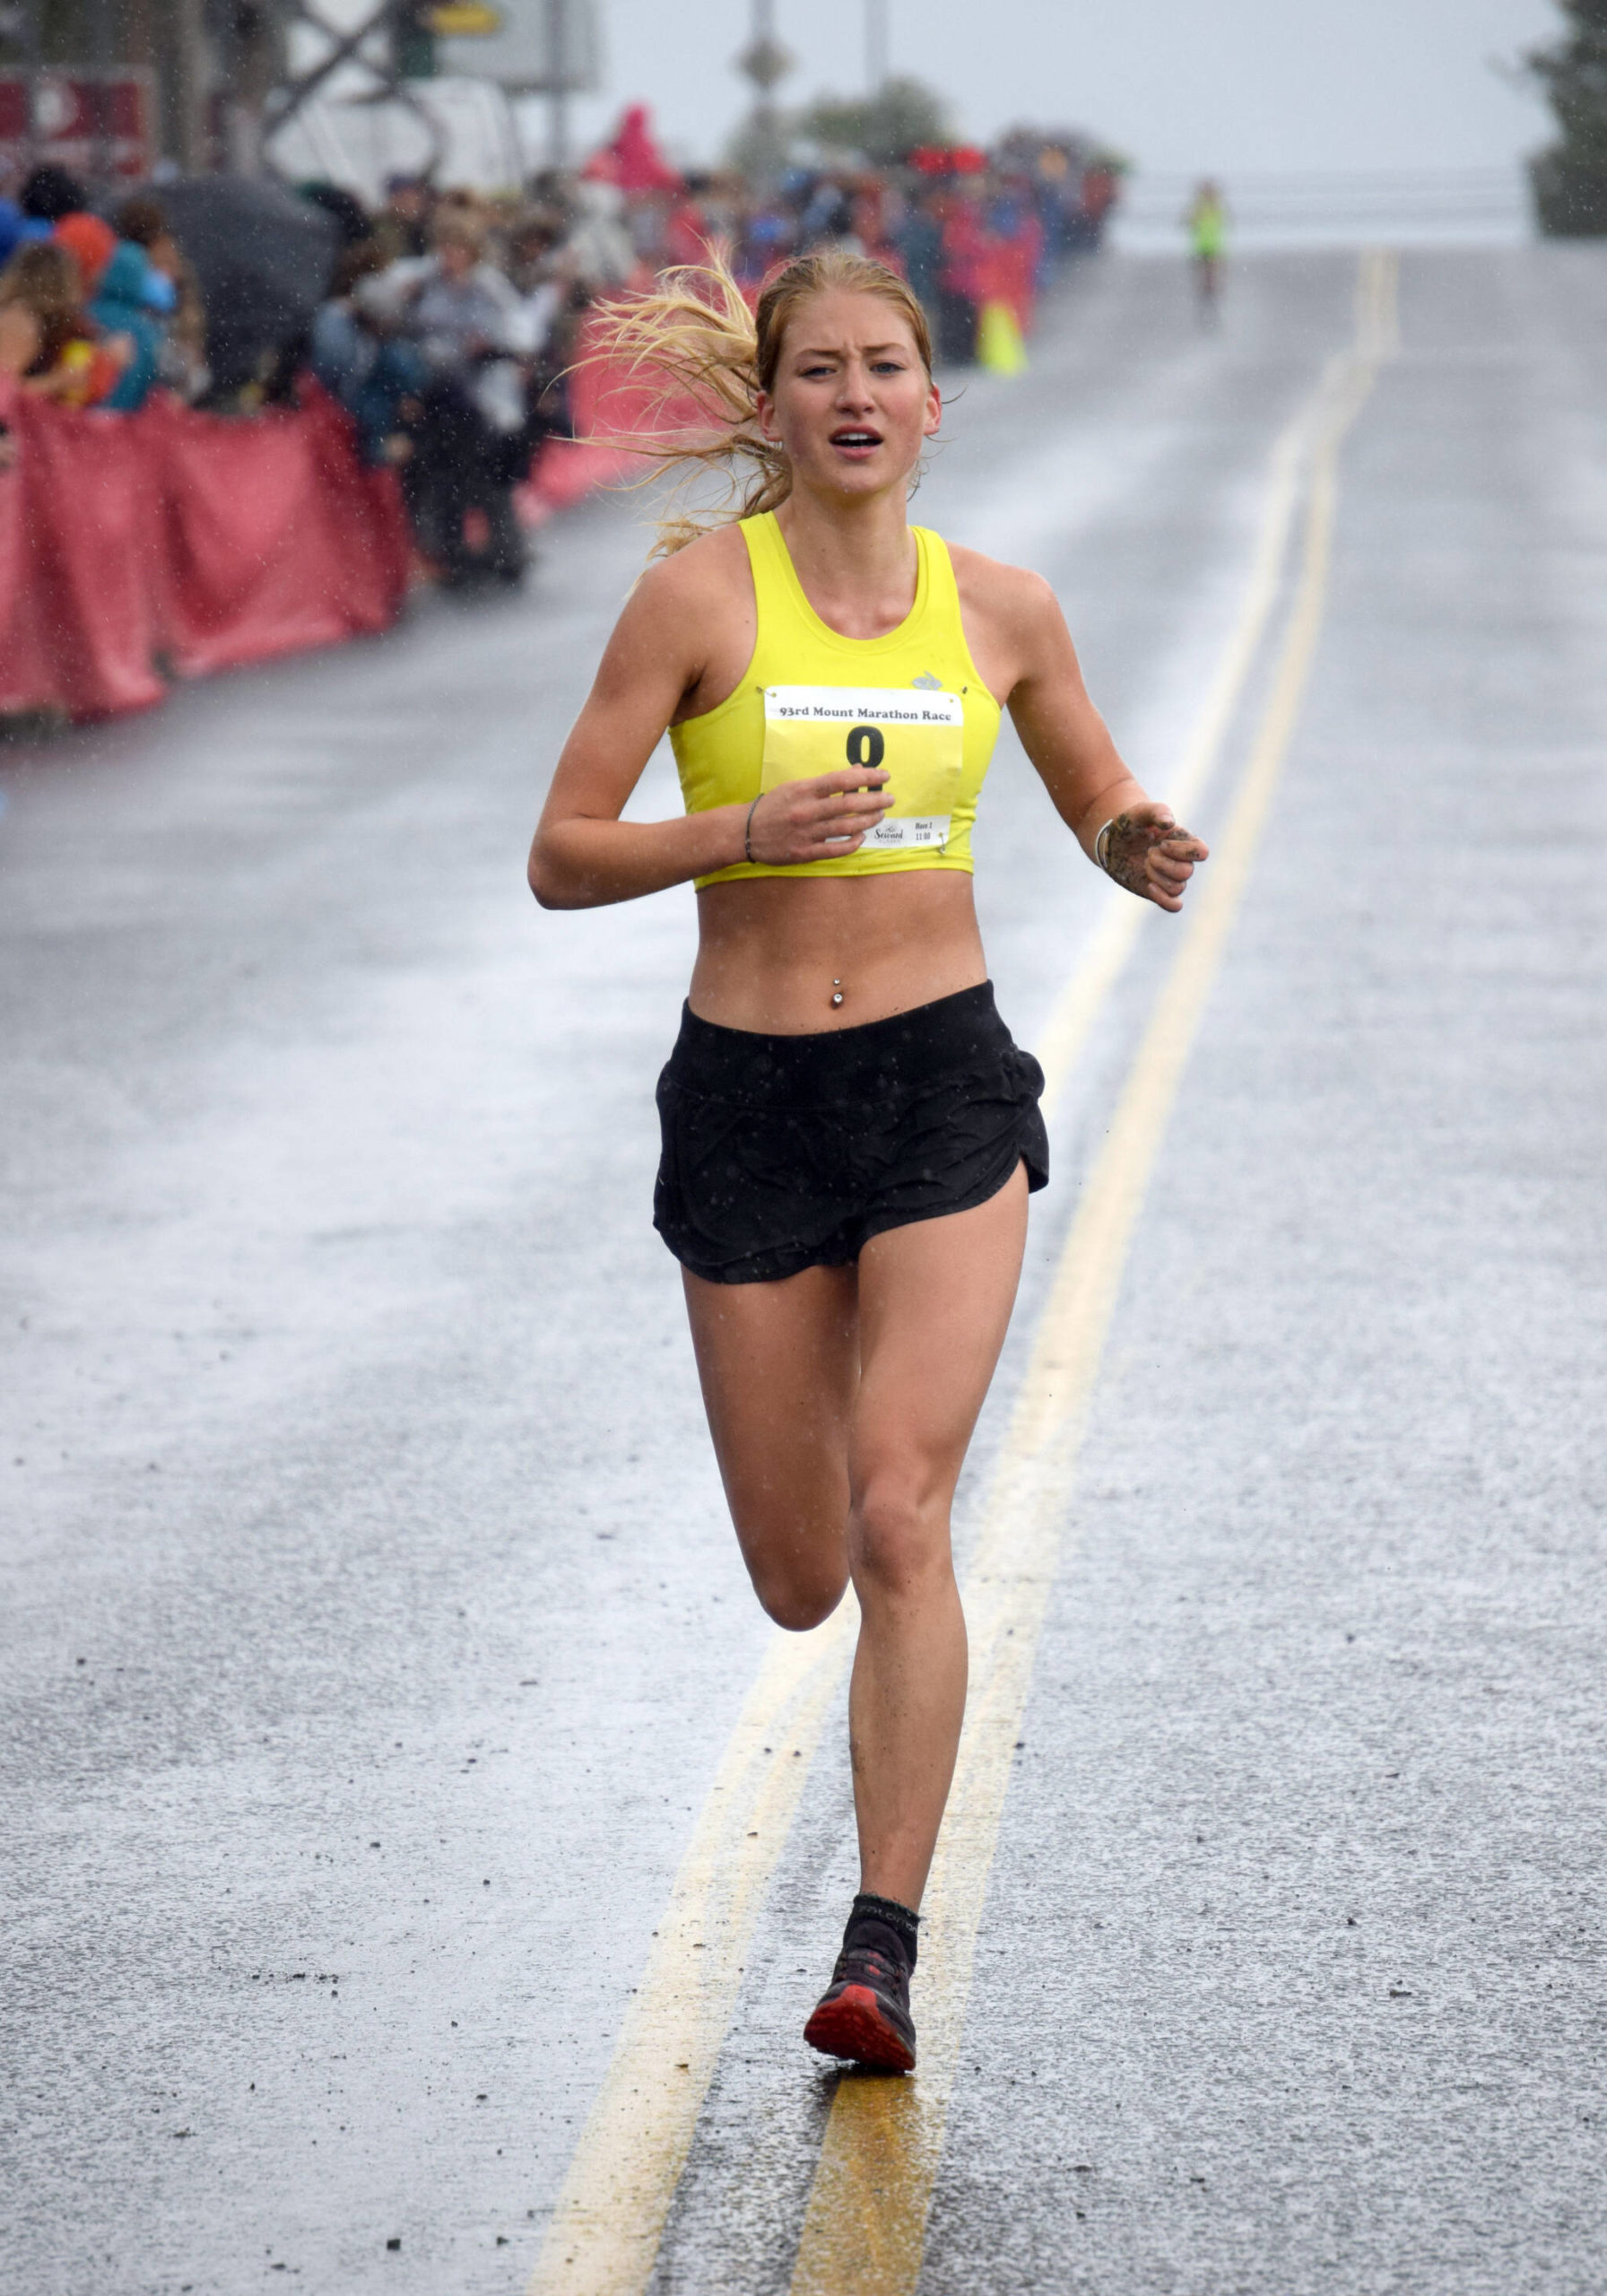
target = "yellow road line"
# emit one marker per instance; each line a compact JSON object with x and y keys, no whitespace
{"x":610,"y":2216}
{"x":1062,"y":1038}
{"x":865,"y":2227}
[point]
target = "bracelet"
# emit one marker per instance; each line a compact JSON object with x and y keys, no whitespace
{"x":748,"y":832}
{"x":1102,"y":846}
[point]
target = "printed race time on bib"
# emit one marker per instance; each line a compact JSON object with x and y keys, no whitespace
{"x":919,"y":736}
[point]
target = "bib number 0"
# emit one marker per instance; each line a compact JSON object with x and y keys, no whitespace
{"x":918,"y":735}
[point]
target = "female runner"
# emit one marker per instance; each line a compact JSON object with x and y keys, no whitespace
{"x":849,"y":1133}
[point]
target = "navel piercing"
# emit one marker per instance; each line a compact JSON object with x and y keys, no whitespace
{"x":836,"y":992}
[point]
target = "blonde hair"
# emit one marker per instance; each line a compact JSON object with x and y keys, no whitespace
{"x":705,"y":358}
{"x":44,"y":278}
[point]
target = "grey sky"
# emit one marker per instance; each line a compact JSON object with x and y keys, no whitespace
{"x":1234,"y":85}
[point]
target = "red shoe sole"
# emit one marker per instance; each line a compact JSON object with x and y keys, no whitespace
{"x":854,"y":2027}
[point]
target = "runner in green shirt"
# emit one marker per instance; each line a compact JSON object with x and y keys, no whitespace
{"x":1206,"y":224}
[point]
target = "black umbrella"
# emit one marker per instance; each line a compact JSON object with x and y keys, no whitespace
{"x":264,"y":258}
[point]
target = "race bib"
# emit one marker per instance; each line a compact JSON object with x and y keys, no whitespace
{"x":919,"y":736}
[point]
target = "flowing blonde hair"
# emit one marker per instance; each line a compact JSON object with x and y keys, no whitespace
{"x":703,"y":357}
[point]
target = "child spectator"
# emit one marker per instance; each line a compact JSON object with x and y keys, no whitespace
{"x":46,"y":338}
{"x":131,"y":296}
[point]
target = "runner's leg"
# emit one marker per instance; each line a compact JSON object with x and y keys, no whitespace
{"x":934,"y":1303}
{"x":779,"y":1364}
{"x":840,"y":1412}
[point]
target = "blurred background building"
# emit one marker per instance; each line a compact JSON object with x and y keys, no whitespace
{"x":125,"y":88}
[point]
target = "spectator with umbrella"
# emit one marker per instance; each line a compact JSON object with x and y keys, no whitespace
{"x":263,"y":259}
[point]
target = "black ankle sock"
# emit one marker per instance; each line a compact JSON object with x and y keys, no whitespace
{"x":885,"y":1924}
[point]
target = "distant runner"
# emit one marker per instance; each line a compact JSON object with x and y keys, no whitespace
{"x":1206,"y":224}
{"x":849,"y":1132}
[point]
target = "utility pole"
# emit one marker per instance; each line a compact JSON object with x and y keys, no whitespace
{"x":558,"y":96}
{"x":256,"y":47}
{"x":875,"y":46}
{"x":766,"y":62}
{"x":33,"y":65}
{"x":179,"y":44}
{"x":100,"y":78}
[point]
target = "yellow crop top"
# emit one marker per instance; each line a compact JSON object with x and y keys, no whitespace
{"x":810,"y":701}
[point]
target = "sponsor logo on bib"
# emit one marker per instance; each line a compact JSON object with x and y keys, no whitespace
{"x":918,"y":735}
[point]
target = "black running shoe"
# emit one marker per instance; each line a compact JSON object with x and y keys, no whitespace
{"x":863,"y":2014}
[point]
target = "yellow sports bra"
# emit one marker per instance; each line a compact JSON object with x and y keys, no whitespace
{"x":810,"y":701}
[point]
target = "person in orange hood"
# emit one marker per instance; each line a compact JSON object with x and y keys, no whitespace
{"x":91,"y":243}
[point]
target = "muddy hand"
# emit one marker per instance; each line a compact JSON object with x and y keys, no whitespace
{"x":1148,"y":854}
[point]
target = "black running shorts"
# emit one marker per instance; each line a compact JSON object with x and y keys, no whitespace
{"x":788,"y":1153}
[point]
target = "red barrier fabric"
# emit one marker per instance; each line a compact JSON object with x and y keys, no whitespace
{"x":611,"y":402}
{"x":78,"y":629}
{"x":275,"y":537}
{"x":129,"y":539}
{"x":24,"y":655}
{"x":1007,"y":271}
{"x":566,"y":470}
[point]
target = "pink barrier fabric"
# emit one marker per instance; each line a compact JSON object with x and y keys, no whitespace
{"x":126,"y":540}
{"x":275,"y":537}
{"x":601,"y":399}
{"x":78,"y":629}
{"x":565,"y":471}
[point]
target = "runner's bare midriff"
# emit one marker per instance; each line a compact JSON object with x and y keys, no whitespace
{"x":774,"y":951}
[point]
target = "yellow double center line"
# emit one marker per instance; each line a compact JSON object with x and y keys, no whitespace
{"x":865,"y":2224}
{"x":865,"y":2228}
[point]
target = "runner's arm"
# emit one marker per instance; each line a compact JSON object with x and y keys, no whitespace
{"x":1076,"y":759}
{"x":584,"y":856}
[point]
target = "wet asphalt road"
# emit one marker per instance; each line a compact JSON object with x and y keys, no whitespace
{"x":370,"y":1626}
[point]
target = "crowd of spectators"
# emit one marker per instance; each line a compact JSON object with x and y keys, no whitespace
{"x":95,"y":313}
{"x":450,"y":320}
